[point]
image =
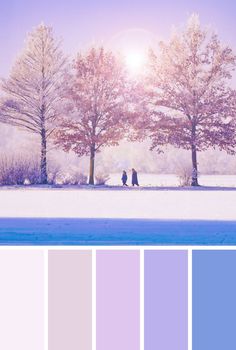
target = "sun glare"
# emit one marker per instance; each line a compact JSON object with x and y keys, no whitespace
{"x":133,"y":44}
{"x":135,"y":62}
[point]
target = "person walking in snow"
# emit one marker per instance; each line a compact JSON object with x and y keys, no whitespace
{"x":134,"y":177}
{"x":124,"y":178}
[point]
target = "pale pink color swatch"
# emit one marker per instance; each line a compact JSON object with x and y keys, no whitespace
{"x":70,"y":300}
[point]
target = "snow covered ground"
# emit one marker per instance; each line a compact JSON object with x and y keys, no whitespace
{"x":117,"y":217}
{"x":136,"y":203}
{"x":169,"y":180}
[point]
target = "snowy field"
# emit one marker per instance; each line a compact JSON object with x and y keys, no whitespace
{"x":117,"y":217}
{"x":137,"y":203}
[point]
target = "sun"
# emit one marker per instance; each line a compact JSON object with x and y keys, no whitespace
{"x":135,"y":62}
{"x":133,"y":45}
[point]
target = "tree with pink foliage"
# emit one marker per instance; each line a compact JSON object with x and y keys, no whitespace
{"x":34,"y":90}
{"x":190,"y":100}
{"x":96,"y":105}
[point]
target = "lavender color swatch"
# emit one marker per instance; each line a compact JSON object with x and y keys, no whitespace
{"x":166,"y":300}
{"x":118,"y":300}
{"x":70,"y":300}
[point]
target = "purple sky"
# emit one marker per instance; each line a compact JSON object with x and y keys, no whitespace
{"x":81,"y":22}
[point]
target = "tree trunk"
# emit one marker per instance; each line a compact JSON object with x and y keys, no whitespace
{"x":91,"y":166}
{"x":43,"y":164}
{"x":194,"y":158}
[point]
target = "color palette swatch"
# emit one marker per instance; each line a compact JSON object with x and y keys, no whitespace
{"x":70,"y":300}
{"x":118,"y":300}
{"x":22,"y":299}
{"x":214,"y":299}
{"x":166,"y":300}
{"x":102,"y":299}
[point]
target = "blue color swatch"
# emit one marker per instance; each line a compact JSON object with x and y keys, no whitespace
{"x":214,"y":300}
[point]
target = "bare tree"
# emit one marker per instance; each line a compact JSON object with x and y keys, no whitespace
{"x":33,"y":92}
{"x":96,"y":114}
{"x":191,"y":102}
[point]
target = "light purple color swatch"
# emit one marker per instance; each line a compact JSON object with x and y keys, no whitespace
{"x":118,"y":300}
{"x":166,"y":300}
{"x":70,"y":300}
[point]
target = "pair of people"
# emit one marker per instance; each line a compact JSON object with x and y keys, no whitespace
{"x":134,"y":178}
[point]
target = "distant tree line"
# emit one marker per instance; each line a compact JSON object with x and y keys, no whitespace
{"x":184,"y":97}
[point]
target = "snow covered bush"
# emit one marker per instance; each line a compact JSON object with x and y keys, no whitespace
{"x":80,"y":179}
{"x":75,"y":178}
{"x":184,"y":173}
{"x":34,"y":173}
{"x":54,"y":173}
{"x":5,"y":171}
{"x":18,"y":171}
{"x":101,"y":179}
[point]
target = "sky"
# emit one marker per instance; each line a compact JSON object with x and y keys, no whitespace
{"x":81,"y":23}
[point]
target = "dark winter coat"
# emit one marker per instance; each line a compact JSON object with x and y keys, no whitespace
{"x":135,"y":178}
{"x":124,"y":178}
